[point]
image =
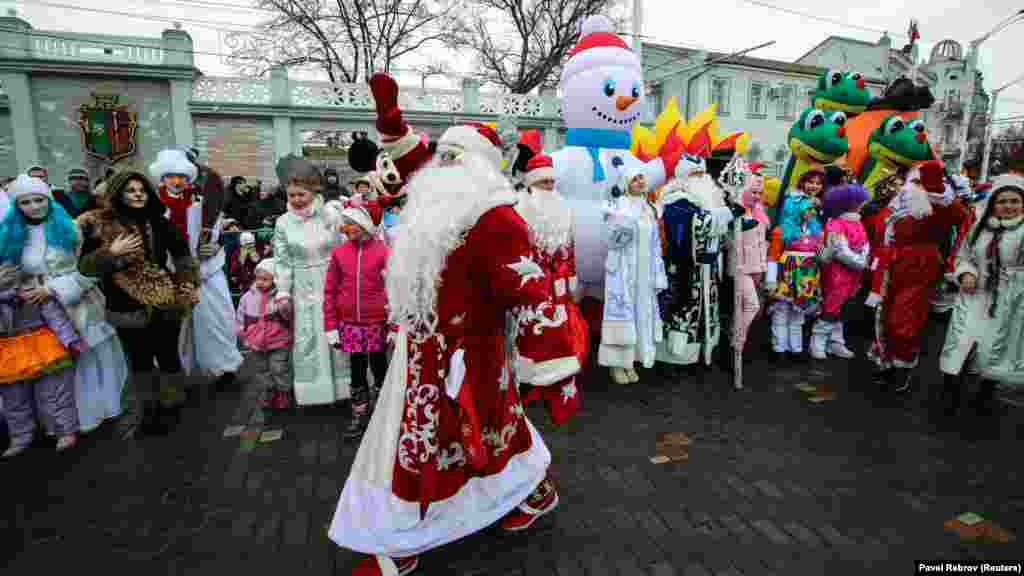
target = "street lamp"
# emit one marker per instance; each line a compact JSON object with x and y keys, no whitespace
{"x":972,"y":58}
{"x":989,"y":128}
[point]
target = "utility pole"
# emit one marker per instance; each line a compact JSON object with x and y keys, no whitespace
{"x":990,"y":129}
{"x":970,"y":69}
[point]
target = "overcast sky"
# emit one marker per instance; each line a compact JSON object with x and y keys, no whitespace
{"x":721,"y":25}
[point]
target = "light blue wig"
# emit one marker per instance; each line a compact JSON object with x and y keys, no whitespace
{"x":61,"y":232}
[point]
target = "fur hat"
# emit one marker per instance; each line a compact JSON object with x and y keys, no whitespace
{"x":36,"y":167}
{"x":474,"y":138}
{"x":599,"y":46}
{"x":78,"y":173}
{"x":1007,"y":181}
{"x":247,"y":239}
{"x":267,"y":265}
{"x":539,"y":168}
{"x":688,"y":164}
{"x":172,"y":161}
{"x":367,"y":214}
{"x":25,"y":185}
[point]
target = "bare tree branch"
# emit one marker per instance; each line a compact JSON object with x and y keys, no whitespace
{"x":348,"y":40}
{"x":539,"y":35}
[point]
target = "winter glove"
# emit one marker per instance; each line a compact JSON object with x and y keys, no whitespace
{"x":749,"y":224}
{"x":208,"y":250}
{"x":737,"y":210}
{"x":333,"y":339}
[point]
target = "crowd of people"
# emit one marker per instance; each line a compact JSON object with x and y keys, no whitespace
{"x":440,"y":293}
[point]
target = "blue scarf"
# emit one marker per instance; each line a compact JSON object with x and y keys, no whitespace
{"x":594,"y":139}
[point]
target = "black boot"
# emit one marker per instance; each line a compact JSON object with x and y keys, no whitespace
{"x":154,"y":422}
{"x":984,"y":400}
{"x":900,"y":380}
{"x":357,"y":425}
{"x":225,"y":380}
{"x":726,"y":357}
{"x":880,"y":379}
{"x":951,"y":393}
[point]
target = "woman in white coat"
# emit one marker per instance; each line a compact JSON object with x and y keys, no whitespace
{"x":987,"y":317}
{"x":303,"y":240}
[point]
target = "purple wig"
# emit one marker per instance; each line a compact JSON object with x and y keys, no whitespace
{"x":844,"y":198}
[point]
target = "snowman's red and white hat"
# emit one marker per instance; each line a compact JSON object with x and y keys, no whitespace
{"x":599,"y":46}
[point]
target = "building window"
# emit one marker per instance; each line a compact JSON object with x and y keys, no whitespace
{"x":757,"y":101}
{"x":720,"y":88}
{"x":787,"y":102}
{"x":809,"y":92}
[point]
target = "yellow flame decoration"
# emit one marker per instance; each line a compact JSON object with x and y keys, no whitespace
{"x":647,"y":143}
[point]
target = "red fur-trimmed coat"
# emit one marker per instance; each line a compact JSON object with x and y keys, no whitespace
{"x":463,"y":415}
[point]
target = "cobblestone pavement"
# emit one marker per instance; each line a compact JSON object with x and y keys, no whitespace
{"x":773,"y":485}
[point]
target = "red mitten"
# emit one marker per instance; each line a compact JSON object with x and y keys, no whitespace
{"x":389,"y":115}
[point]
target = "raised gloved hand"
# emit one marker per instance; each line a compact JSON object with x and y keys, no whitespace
{"x":208,"y":250}
{"x":873,"y":300}
{"x":333,"y":339}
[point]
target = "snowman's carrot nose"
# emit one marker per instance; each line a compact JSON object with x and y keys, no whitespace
{"x":623,"y":102}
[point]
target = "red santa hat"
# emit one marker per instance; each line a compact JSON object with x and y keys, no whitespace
{"x":932,"y":175}
{"x":367,"y":214}
{"x":475,"y":138}
{"x":539,"y":168}
{"x":599,"y":46}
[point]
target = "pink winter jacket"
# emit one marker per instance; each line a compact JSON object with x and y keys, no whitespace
{"x":263,"y":324}
{"x":354,"y":289}
{"x":848,"y":248}
{"x":752,"y":252}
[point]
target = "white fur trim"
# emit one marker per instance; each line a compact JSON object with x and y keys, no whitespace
{"x":172,"y":162}
{"x":456,"y":374}
{"x":470,"y":140}
{"x":548,"y":372}
{"x":267,"y":265}
{"x":362,"y":217}
{"x":26,"y":185}
{"x":599,"y":57}
{"x":616,"y":356}
{"x":618,"y":333}
{"x":560,"y":287}
{"x":538,"y":174}
{"x":386,"y":565}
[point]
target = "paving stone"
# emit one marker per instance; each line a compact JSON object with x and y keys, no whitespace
{"x":696,"y":570}
{"x":737,"y":527}
{"x":802,"y":534}
{"x":833,"y":536}
{"x":661,"y":569}
{"x":739,"y":486}
{"x":768,"y":489}
{"x":770,"y":531}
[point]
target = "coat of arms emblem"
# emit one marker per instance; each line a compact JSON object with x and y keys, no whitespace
{"x":108,"y":129}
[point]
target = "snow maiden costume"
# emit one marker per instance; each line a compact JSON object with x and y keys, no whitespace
{"x":911,"y":262}
{"x":989,"y":319}
{"x":101,"y":370}
{"x":145,"y":300}
{"x":209,"y":341}
{"x":696,"y":220}
{"x":634,"y":275}
{"x":449,"y":450}
{"x":303,"y":240}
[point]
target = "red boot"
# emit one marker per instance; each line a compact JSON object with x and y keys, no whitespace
{"x":384,"y":566}
{"x":544,"y":499}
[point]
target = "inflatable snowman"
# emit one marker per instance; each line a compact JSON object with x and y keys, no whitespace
{"x":602,"y":96}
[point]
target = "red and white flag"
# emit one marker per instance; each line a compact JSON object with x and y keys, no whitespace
{"x":913,"y":33}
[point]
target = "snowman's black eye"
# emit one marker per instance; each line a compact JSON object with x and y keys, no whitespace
{"x":609,"y":87}
{"x":636,"y":90}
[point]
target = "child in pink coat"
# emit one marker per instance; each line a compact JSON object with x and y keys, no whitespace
{"x":751,"y":258}
{"x":356,"y":304}
{"x":265,"y":327}
{"x":845,"y":255}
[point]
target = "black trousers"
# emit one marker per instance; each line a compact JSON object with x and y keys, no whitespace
{"x":156,"y":342}
{"x":375,"y":361}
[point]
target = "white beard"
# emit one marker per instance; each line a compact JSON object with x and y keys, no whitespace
{"x":699,"y":190}
{"x":444,"y":202}
{"x":914,"y":200}
{"x":548,"y":217}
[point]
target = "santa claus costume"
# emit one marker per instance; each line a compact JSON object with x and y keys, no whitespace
{"x":911,"y":263}
{"x":209,"y":341}
{"x":449,"y":449}
{"x":549,"y":219}
{"x":696,"y":220}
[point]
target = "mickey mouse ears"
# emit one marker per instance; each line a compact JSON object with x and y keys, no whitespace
{"x":362,"y":154}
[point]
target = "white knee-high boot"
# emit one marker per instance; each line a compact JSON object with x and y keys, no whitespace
{"x":820,"y":334}
{"x":837,"y":342}
{"x":780,"y":328}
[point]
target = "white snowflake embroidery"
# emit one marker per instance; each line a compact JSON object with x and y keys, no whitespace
{"x":418,"y":442}
{"x":499,"y":440}
{"x":568,"y":391}
{"x":452,"y":456}
{"x":527,"y":270}
{"x":517,"y":410}
{"x":503,"y":378}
